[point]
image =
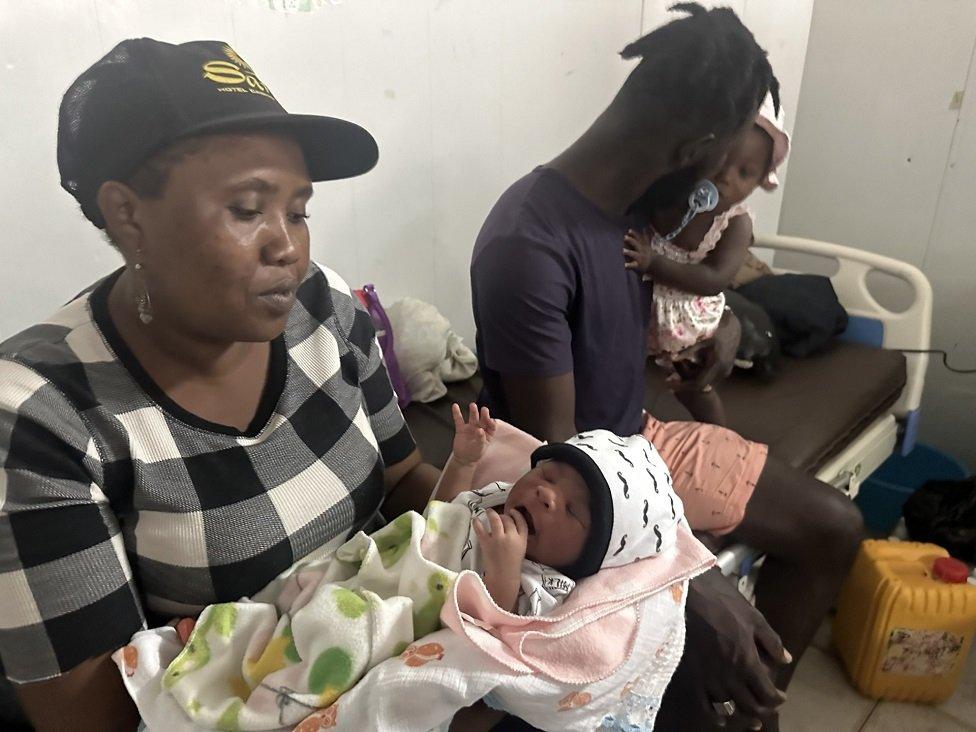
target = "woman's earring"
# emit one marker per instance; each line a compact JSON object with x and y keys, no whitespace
{"x":143,"y":303}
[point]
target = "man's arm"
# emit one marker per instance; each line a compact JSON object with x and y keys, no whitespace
{"x":523,"y":291}
{"x":543,"y":406}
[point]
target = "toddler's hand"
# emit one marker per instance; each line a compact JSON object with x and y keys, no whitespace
{"x":504,"y":548}
{"x":638,"y":251}
{"x":471,"y":437}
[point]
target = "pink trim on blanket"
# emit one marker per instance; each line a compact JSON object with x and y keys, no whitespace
{"x":592,"y":634}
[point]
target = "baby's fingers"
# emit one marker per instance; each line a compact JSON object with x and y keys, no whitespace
{"x":456,"y":413}
{"x":495,"y":521}
{"x":519,"y":520}
{"x":487,"y":423}
{"x":508,"y":523}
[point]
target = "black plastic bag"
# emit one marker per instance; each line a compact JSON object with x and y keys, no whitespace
{"x":943,"y":512}
{"x":804,"y":308}
{"x":759,"y":350}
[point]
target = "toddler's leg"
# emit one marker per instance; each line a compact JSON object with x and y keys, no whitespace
{"x":705,"y":405}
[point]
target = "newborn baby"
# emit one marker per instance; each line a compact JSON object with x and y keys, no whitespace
{"x":596,"y":500}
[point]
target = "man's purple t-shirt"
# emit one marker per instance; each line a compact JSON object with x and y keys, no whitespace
{"x":551,"y":296}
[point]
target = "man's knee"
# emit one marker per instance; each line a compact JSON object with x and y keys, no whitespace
{"x":838,"y":529}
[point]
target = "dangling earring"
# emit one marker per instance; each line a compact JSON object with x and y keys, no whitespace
{"x":143,"y":303}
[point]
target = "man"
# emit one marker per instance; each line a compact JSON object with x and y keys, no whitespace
{"x":561,"y":344}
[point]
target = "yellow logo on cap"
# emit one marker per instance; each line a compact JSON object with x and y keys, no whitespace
{"x":236,"y":74}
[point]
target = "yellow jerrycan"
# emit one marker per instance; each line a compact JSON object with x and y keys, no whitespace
{"x":905,"y":621}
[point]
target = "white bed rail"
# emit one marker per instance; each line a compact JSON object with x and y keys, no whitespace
{"x":910,"y":329}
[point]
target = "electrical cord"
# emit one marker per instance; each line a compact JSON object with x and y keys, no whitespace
{"x":945,"y":359}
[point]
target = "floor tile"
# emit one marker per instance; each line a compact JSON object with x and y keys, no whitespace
{"x":820,"y":698}
{"x":901,"y":717}
{"x":962,"y":704}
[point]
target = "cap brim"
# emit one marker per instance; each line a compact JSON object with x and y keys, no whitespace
{"x":334,"y":148}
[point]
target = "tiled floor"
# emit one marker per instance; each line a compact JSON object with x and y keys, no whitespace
{"x":821,"y":699}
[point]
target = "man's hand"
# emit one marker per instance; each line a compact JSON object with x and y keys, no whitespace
{"x":471,"y":437}
{"x":714,"y":358}
{"x":502,"y":552}
{"x":731,"y":650}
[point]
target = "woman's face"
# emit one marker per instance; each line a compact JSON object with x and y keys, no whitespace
{"x":226,"y":245}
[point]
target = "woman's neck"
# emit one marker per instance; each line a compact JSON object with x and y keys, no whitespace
{"x":161,"y":347}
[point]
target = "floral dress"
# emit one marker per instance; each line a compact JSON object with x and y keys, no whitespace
{"x":681,"y":319}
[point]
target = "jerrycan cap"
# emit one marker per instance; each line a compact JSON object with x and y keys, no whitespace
{"x":950,"y":570}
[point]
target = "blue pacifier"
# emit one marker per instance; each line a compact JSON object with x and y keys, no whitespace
{"x":704,"y":197}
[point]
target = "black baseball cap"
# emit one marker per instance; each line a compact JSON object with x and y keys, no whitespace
{"x":144,"y":95}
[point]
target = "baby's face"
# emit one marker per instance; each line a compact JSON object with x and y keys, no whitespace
{"x":745,"y":167}
{"x":555,"y":502}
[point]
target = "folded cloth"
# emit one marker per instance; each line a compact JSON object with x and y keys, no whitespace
{"x":428,"y":352}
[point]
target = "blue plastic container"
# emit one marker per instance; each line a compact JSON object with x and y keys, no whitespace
{"x":885,"y":492}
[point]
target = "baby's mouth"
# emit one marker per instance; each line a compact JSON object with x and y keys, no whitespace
{"x":528,"y":518}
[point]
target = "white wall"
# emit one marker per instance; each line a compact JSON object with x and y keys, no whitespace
{"x":882,"y":161}
{"x":464,"y":96}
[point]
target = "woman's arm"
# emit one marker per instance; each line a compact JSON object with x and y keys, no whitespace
{"x":713,"y":274}
{"x":89,"y":697}
{"x":70,"y":597}
{"x":409,"y":485}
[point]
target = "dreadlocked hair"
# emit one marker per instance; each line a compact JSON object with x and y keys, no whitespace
{"x":705,"y":67}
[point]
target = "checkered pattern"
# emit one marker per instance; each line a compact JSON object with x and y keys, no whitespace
{"x":115,"y":504}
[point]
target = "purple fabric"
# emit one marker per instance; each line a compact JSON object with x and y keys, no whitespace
{"x":551,"y":296}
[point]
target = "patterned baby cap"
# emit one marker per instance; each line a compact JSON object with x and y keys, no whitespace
{"x":633,"y":507}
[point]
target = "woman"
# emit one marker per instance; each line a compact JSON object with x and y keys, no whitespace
{"x":210,"y":413}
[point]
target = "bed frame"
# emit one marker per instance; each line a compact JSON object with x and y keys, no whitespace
{"x":872,"y":324}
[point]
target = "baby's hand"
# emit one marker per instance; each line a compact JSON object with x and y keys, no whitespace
{"x":504,"y":548}
{"x":638,"y":251}
{"x":471,"y":437}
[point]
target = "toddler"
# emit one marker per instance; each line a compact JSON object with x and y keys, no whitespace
{"x":693,"y":264}
{"x":596,"y":500}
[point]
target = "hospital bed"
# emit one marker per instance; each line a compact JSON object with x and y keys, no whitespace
{"x":837,"y":414}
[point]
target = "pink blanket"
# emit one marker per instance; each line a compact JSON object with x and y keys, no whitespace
{"x":593,"y":632}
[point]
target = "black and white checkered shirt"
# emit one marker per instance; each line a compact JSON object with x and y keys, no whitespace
{"x":117,"y":505}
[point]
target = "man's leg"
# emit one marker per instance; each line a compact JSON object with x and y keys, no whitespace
{"x":810,"y":533}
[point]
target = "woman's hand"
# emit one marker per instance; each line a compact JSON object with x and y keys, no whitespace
{"x":638,"y":251}
{"x":471,"y":437}
{"x":502,"y":552}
